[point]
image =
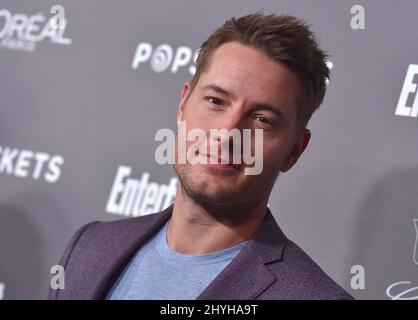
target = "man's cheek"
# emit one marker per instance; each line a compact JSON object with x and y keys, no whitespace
{"x":271,"y":164}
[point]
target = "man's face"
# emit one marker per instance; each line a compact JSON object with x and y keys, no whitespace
{"x":232,"y":93}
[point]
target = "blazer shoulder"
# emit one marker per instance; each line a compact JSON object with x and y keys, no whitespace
{"x":98,"y":242}
{"x":52,"y":294}
{"x":127,"y":226}
{"x":99,"y":234}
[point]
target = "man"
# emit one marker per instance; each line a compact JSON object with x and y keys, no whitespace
{"x":219,"y":239}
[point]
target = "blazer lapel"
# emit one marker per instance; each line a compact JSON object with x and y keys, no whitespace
{"x":247,"y":276}
{"x":125,"y":248}
{"x":244,"y":278}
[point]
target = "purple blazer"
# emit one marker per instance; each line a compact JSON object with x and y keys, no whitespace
{"x":270,"y":266}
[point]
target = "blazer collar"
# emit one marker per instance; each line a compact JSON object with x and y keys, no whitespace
{"x":247,"y":275}
{"x":244,"y":278}
{"x":135,"y":234}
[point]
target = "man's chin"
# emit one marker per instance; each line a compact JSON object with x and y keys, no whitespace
{"x":222,"y":196}
{"x":211,"y":186}
{"x":216,"y":199}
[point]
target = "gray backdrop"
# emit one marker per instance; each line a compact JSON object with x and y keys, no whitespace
{"x":76,"y":106}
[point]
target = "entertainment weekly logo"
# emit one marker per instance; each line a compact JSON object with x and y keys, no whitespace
{"x":23,"y":32}
{"x":409,"y":93}
{"x":167,"y":58}
{"x":402,"y":290}
{"x":136,"y":197}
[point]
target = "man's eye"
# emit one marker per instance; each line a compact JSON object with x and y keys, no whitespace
{"x":264,"y":120}
{"x":214,"y":101}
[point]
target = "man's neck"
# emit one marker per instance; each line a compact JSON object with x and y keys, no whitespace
{"x":194,"y":229}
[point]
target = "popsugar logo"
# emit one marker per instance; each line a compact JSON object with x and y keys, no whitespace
{"x":330,"y":66}
{"x":27,"y":163}
{"x":165,"y":58}
{"x":22,"y":32}
{"x":135,"y":197}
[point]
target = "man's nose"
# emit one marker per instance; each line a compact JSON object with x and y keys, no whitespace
{"x":230,"y":131}
{"x":234,"y":118}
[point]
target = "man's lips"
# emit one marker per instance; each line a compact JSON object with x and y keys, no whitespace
{"x":214,"y":160}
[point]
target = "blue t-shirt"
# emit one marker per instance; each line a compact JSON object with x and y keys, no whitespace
{"x":157,"y":272}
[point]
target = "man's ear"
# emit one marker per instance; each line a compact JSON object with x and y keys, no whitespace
{"x":184,"y":94}
{"x":297,"y":149}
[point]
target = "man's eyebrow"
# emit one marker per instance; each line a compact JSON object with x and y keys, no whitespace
{"x":218,"y":89}
{"x":266,"y":106}
{"x":257,"y":106}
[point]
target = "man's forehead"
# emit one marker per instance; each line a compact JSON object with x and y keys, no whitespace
{"x":234,"y":68}
{"x":250,"y":65}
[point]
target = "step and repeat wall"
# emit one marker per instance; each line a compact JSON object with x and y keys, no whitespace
{"x":81,"y":101}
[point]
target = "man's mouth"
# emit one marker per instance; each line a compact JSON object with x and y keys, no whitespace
{"x":215,"y":161}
